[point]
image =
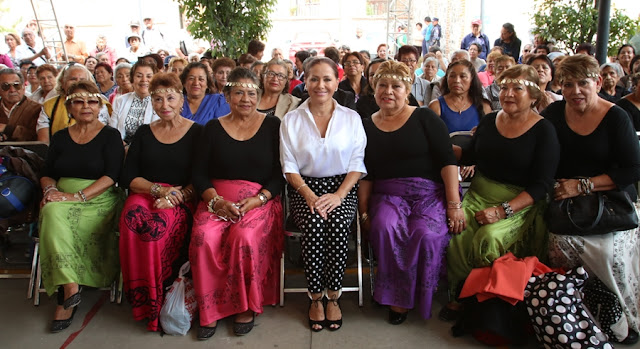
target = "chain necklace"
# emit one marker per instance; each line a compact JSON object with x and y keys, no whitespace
{"x":460,"y":109}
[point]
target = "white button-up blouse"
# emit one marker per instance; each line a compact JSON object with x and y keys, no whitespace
{"x":305,"y":152}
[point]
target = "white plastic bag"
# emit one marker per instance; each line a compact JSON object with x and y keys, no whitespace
{"x":179,"y":305}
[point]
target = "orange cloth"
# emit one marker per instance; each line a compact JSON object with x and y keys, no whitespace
{"x":506,"y":278}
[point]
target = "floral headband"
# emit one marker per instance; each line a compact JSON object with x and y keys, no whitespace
{"x":242,"y":84}
{"x":392,"y":76}
{"x":163,"y":90}
{"x":519,"y":81}
{"x":82,"y":94}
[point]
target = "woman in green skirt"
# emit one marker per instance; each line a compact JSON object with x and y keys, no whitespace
{"x":516,"y":154}
{"x":80,"y":205}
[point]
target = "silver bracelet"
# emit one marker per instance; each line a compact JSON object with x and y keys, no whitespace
{"x":263,"y":198}
{"x":508,"y":211}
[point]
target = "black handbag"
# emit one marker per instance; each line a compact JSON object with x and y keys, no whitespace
{"x":597,"y":213}
{"x":16,"y":194}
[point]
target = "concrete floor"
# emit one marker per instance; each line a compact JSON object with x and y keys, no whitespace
{"x":23,"y":325}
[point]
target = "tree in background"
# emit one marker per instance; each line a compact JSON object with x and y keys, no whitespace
{"x":8,"y":22}
{"x":572,"y":22}
{"x":228,"y":24}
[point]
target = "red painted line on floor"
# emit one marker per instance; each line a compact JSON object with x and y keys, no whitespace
{"x":94,"y":310}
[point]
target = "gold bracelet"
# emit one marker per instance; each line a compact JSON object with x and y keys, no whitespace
{"x":300,"y":187}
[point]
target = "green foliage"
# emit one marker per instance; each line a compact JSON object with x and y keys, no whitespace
{"x":572,"y":22}
{"x":231,"y":23}
{"x":8,"y":21}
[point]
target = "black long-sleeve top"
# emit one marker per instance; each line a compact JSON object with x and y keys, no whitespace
{"x":529,"y":160}
{"x":160,"y":162}
{"x":612,"y":148}
{"x":632,"y":110}
{"x":219,"y":156}
{"x":101,"y":156}
{"x":419,"y":148}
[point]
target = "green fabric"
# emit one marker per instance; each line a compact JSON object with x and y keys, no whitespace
{"x":524,"y":234}
{"x":78,"y":240}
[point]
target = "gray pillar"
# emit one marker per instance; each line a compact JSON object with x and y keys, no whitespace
{"x":602,"y":39}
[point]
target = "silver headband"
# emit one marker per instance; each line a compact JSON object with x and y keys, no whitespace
{"x":163,"y":90}
{"x":593,"y":75}
{"x":519,"y":81}
{"x":82,"y":94}
{"x":392,"y":76}
{"x":242,"y":84}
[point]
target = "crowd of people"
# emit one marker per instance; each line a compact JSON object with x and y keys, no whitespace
{"x":205,"y":147}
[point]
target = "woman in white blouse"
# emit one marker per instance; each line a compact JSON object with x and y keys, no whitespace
{"x":134,"y":109}
{"x":322,"y":153}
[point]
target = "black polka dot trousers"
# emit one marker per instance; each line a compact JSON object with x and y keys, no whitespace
{"x":324,"y":242}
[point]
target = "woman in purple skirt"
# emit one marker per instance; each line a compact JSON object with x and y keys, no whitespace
{"x":410,"y":200}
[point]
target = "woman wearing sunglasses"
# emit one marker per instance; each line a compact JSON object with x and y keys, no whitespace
{"x":237,"y":228}
{"x":80,"y":205}
{"x":275,"y":99}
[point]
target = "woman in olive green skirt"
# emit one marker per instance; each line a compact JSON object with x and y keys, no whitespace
{"x":80,"y":205}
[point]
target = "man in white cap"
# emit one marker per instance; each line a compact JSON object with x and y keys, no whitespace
{"x":153,"y":38}
{"x":134,"y":25}
{"x":476,"y":37}
{"x":136,"y":48}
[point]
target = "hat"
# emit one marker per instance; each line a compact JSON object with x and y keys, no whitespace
{"x":134,"y":23}
{"x":147,"y":17}
{"x":155,"y":56}
{"x":476,"y":22}
{"x":207,"y":55}
{"x":167,"y":59}
{"x":133,"y":35}
{"x":435,"y":19}
{"x":554,"y":55}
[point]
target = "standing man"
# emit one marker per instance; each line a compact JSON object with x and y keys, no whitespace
{"x":476,"y":37}
{"x":436,"y":33}
{"x":153,"y":38}
{"x":426,"y":34}
{"x":30,"y":50}
{"x":18,"y":114}
{"x":76,"y":49}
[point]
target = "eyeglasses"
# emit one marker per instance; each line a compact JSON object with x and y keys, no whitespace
{"x":352,"y":63}
{"x":6,"y":86}
{"x":409,"y":61}
{"x":271,"y":74}
{"x":79,"y":102}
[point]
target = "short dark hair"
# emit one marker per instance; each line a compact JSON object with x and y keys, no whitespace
{"x":198,"y":65}
{"x":106,"y":66}
{"x":549,"y":63}
{"x":255,"y":46}
{"x":477,"y":45}
{"x":332,"y":53}
{"x":47,"y":67}
{"x":544,"y":47}
{"x":242,"y":73}
{"x":585,"y":46}
{"x":139,"y":64}
{"x":222,"y":62}
{"x":510,"y":29}
{"x":302,"y":55}
{"x":427,"y":19}
{"x":10,"y":71}
{"x":355,"y":54}
{"x":408,"y":50}
{"x":25,"y":62}
{"x":626,"y":45}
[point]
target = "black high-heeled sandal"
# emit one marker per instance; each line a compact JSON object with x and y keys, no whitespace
{"x":60,"y":325}
{"x":336,"y":303}
{"x":312,"y":323}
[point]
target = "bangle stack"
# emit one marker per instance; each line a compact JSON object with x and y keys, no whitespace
{"x":454,"y":205}
{"x":212,"y":203}
{"x":263,"y":198}
{"x":585,"y":186}
{"x":80,"y":196}
{"x":508,"y":211}
{"x":49,"y":188}
{"x":155,"y":190}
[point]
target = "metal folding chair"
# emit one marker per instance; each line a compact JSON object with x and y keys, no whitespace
{"x":291,"y":231}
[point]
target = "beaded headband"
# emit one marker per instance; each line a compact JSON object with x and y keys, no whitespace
{"x":242,"y":84}
{"x":519,"y":81}
{"x":589,"y":75}
{"x":82,"y":94}
{"x":392,"y":76}
{"x":163,"y":90}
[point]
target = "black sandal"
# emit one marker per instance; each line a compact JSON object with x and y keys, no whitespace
{"x":322,"y":323}
{"x":242,"y":328}
{"x":396,"y":318}
{"x":336,"y":303}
